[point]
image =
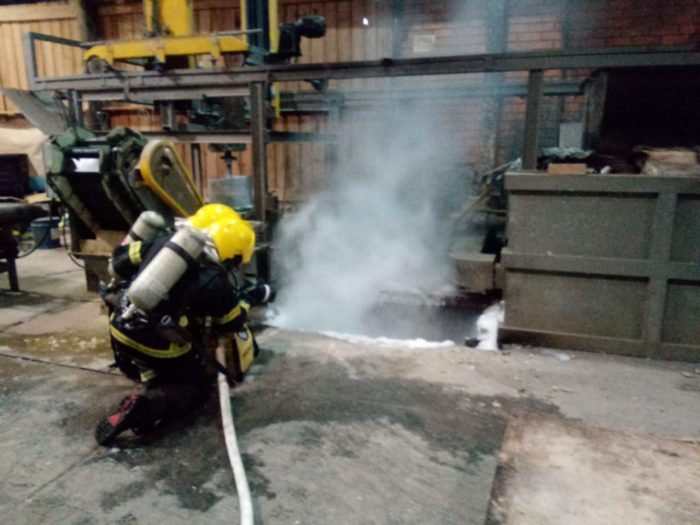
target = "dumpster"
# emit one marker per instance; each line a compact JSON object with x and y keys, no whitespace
{"x":606,"y":263}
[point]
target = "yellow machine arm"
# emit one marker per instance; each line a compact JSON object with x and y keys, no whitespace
{"x":169,"y":17}
{"x":162,"y":47}
{"x":166,"y":175}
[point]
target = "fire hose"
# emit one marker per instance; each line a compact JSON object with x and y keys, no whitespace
{"x":234,"y":454}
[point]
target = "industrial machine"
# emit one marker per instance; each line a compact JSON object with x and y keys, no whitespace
{"x":170,"y":43}
{"x":170,"y":40}
{"x":106,"y":182}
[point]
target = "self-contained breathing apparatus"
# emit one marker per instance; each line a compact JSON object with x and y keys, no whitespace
{"x":194,"y":242}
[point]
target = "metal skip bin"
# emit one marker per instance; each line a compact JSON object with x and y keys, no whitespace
{"x":606,"y":263}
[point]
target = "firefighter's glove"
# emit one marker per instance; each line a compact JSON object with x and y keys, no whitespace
{"x":258,"y":294}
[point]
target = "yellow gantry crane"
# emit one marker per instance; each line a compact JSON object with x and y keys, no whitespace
{"x":170,"y":32}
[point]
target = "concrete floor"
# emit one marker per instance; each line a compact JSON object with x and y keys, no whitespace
{"x":586,"y":475}
{"x":332,"y":431}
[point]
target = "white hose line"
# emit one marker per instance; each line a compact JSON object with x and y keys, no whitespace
{"x":245,"y":502}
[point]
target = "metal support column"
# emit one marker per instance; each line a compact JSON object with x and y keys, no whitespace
{"x":496,"y":42}
{"x":197,"y":174}
{"x":168,"y":116}
{"x":398,"y":27}
{"x":333,"y":128}
{"x":661,"y":244}
{"x":535,"y":88}
{"x":76,"y":108}
{"x":12,"y":274}
{"x":29,"y":49}
{"x":258,"y":120}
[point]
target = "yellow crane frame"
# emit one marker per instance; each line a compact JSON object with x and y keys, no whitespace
{"x":170,"y":28}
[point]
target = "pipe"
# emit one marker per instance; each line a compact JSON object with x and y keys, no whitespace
{"x":245,"y":501}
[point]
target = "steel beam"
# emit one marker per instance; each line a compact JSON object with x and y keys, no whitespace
{"x":204,"y":137}
{"x":184,"y":80}
{"x":226,"y":137}
{"x":313,"y":102}
{"x":56,"y":39}
{"x":300,"y":137}
{"x":130,"y":94}
{"x":501,"y":62}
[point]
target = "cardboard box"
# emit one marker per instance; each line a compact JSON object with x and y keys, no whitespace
{"x":567,"y":169}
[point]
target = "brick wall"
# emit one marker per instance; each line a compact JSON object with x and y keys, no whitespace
{"x":468,"y":27}
{"x":634,"y":23}
{"x":558,"y":24}
{"x":456,"y":27}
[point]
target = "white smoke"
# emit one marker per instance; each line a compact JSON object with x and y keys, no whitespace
{"x":380,"y":225}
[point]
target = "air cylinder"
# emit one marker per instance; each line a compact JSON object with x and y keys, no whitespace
{"x":160,"y":275}
{"x":147,"y":226}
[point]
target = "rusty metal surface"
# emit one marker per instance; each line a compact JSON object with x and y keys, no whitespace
{"x":606,"y":263}
{"x":474,"y":271}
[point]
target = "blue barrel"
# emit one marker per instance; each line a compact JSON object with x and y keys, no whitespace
{"x":45,"y":232}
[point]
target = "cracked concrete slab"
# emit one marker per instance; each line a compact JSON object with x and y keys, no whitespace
{"x":68,"y":317}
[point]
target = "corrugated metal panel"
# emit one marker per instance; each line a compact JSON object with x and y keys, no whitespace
{"x":54,"y":18}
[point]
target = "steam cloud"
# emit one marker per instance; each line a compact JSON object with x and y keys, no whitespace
{"x":380,"y":225}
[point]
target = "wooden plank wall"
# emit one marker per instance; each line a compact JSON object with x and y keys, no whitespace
{"x":62,"y":19}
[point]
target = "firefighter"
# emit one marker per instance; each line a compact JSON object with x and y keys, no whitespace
{"x":161,"y":345}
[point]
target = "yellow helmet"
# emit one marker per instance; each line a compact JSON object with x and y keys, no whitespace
{"x":232,"y":237}
{"x":209,"y":213}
